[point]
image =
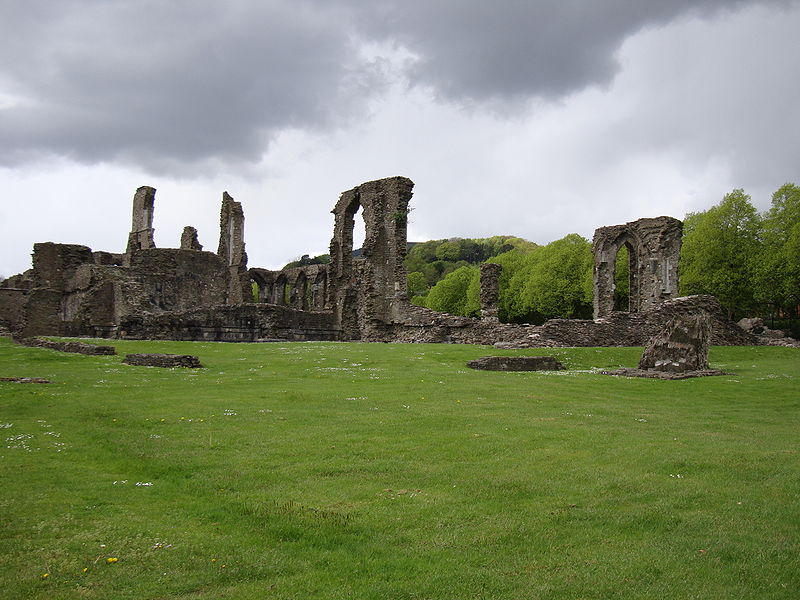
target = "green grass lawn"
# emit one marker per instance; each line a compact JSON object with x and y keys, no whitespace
{"x":333,"y":470}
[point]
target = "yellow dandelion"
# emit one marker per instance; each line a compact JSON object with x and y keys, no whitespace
{"x":45,"y":575}
{"x":85,"y":569}
{"x":213,"y":560}
{"x":112,"y":559}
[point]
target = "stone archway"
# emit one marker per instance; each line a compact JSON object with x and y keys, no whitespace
{"x":654,"y":247}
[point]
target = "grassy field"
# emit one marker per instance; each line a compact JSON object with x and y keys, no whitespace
{"x":324,"y":470}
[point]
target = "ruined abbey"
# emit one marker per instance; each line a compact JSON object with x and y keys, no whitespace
{"x":188,"y":293}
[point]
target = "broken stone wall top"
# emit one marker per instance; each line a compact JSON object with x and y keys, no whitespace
{"x":189,"y":239}
{"x":231,"y":249}
{"x":141,"y":235}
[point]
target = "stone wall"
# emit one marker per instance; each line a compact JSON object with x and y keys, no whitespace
{"x":654,"y":247}
{"x":243,"y":323}
{"x":365,"y":294}
{"x":490,"y":291}
{"x":73,"y":347}
{"x":12,"y":308}
{"x":231,"y":250}
{"x":188,"y":294}
{"x":141,"y":235}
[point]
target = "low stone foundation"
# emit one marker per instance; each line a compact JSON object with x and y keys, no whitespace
{"x":76,"y":347}
{"x":516,"y":363}
{"x":25,"y":380}
{"x":670,"y":375}
{"x":163,"y":360}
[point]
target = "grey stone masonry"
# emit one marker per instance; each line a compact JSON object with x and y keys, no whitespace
{"x":681,"y":346}
{"x":141,"y":235}
{"x":189,"y":239}
{"x":163,"y":360}
{"x":366,"y":294}
{"x":490,"y":292}
{"x":231,"y":249}
{"x":654,"y":247}
{"x":516,"y":363}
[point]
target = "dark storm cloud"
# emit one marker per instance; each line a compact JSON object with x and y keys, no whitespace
{"x":176,"y":86}
{"x":155,"y":82}
{"x":482,"y":50}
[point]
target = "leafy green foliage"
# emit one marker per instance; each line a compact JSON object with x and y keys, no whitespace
{"x":536,"y":283}
{"x":457,"y":293}
{"x":321,"y":259}
{"x":720,"y":252}
{"x":436,"y":258}
{"x":777,"y":274}
{"x":552,"y":281}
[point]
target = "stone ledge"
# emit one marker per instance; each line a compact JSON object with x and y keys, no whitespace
{"x":25,"y":379}
{"x":652,"y":374}
{"x":76,"y":347}
{"x":516,"y":363}
{"x":163,"y":360}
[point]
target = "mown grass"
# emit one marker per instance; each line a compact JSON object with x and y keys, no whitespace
{"x":323,"y":470}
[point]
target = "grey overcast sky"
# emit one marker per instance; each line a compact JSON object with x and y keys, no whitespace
{"x":535,"y":118}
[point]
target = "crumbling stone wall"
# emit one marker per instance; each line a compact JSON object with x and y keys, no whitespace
{"x":243,"y":323}
{"x":165,"y":361}
{"x":12,"y":308}
{"x":189,"y":294}
{"x":490,"y":291}
{"x":141,"y":235}
{"x":654,"y":247}
{"x":303,"y":287}
{"x":189,"y":239}
{"x":73,"y":347}
{"x":368,"y":295}
{"x":231,"y":249}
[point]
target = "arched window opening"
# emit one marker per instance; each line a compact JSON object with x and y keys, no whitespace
{"x":622,"y":279}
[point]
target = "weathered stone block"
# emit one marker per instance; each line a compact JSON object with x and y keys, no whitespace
{"x":516,"y":363}
{"x":680,"y":347}
{"x":163,"y":360}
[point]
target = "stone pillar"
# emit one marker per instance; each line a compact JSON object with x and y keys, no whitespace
{"x":189,"y":239}
{"x":141,"y":235}
{"x":231,"y":250}
{"x":490,"y":292}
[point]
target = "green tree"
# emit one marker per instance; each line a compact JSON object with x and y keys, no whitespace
{"x":777,"y":274}
{"x":721,"y":247}
{"x":451,"y":294}
{"x":559,"y":284}
{"x":417,"y":284}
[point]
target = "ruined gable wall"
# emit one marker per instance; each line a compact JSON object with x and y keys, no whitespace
{"x":654,"y":251}
{"x":370,"y":292}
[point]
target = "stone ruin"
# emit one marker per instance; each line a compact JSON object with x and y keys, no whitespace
{"x":654,"y":248}
{"x":188,"y":293}
{"x":516,"y":363}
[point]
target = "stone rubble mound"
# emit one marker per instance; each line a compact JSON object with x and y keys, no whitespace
{"x":516,"y":363}
{"x":163,"y":360}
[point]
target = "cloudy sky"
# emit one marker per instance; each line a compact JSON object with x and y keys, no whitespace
{"x":534,"y":118}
